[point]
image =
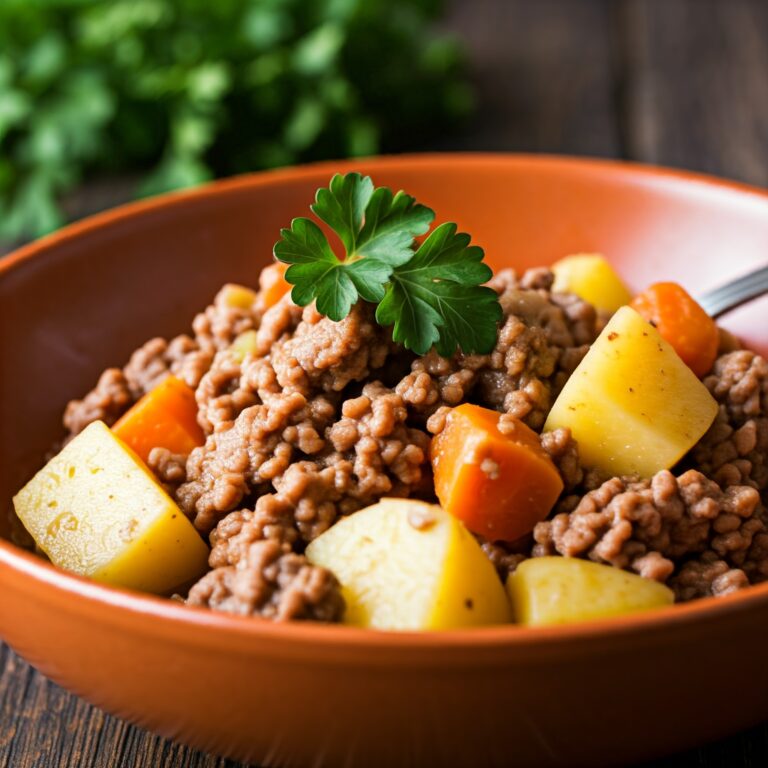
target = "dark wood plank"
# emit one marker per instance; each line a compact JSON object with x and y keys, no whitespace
{"x":42,"y":725}
{"x":542,"y":73}
{"x":695,"y":85}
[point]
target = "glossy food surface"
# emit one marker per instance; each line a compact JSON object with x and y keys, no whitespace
{"x":560,"y":590}
{"x":165,"y":417}
{"x":395,"y":698}
{"x":96,"y":510}
{"x":591,"y":276}
{"x":404,"y":564}
{"x":499,"y":484}
{"x":632,"y":404}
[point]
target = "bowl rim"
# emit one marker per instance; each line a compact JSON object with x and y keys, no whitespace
{"x":210,"y":626}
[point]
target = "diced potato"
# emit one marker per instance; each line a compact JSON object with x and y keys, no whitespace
{"x":562,"y":590}
{"x":237,"y":296}
{"x":498,"y":485}
{"x":96,"y":510}
{"x":244,"y":345}
{"x":408,"y":565}
{"x":591,"y":277}
{"x":632,"y":404}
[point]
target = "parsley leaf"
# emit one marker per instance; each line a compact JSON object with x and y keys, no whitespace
{"x":437,"y":298}
{"x":315,"y":272}
{"x":342,"y":206}
{"x":377,"y":230}
{"x":432,"y":297}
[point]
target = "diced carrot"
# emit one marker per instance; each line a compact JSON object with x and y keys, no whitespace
{"x":682,"y":322}
{"x":498,"y":484}
{"x":272,"y":284}
{"x":166,"y":417}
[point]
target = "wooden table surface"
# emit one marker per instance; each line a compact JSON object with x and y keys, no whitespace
{"x":673,"y":82}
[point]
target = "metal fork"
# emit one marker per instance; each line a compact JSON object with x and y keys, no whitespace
{"x":726,"y":297}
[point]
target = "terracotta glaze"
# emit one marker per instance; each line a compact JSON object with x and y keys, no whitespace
{"x":311,"y":695}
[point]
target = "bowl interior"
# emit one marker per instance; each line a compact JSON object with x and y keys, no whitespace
{"x":83,"y":299}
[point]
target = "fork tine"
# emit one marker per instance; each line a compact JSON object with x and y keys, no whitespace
{"x":735,"y":293}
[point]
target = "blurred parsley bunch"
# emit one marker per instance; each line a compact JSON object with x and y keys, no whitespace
{"x":185,"y":90}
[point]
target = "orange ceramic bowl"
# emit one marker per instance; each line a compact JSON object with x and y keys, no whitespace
{"x":302,"y":694}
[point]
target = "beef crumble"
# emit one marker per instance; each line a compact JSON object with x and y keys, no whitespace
{"x":270,"y":580}
{"x":542,"y":338}
{"x":318,"y":419}
{"x":651,"y":526}
{"x":302,"y":437}
{"x":735,"y":449}
{"x":107,"y":402}
{"x":186,"y":357}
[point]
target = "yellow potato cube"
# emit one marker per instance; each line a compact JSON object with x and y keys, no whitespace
{"x":244,"y":345}
{"x":237,"y":296}
{"x":563,"y":590}
{"x":96,"y":510}
{"x":632,"y":404}
{"x":591,"y":277}
{"x":408,"y":565}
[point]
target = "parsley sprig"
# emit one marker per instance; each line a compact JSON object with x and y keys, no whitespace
{"x":432,"y":295}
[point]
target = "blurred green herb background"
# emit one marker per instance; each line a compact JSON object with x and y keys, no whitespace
{"x":187,"y":90}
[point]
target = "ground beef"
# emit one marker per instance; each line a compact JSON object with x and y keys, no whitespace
{"x":326,"y":356}
{"x":542,"y":339}
{"x":220,"y":323}
{"x":365,"y":454}
{"x":320,"y":419}
{"x":268,"y":579}
{"x":435,"y":382}
{"x":277,"y":326}
{"x":169,"y":468}
{"x":707,"y":576}
{"x":735,"y":449}
{"x":564,"y":452}
{"x":505,"y":557}
{"x":117,"y":390}
{"x":107,"y":401}
{"x":739,"y":381}
{"x":254,"y":449}
{"x":302,"y":445}
{"x":155,"y":360}
{"x":309,"y":496}
{"x":388,"y":456}
{"x":372,"y":454}
{"x":231,"y":538}
{"x":279,"y":430}
{"x":220,"y":396}
{"x":186,"y":360}
{"x":651,"y":526}
{"x":147,"y":367}
{"x":231,"y":384}
{"x":183,"y":356}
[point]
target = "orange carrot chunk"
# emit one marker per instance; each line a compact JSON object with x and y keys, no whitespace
{"x":682,"y":322}
{"x":165,"y":417}
{"x":273,"y":285}
{"x":498,"y":484}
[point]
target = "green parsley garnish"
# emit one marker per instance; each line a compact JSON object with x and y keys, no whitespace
{"x":431,"y":295}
